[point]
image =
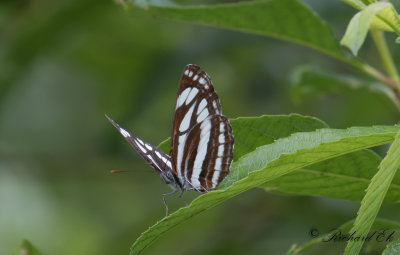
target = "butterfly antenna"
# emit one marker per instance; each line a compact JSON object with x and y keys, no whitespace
{"x":119,"y":171}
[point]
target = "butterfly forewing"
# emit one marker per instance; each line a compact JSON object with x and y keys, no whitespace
{"x":159,"y":160}
{"x":198,"y":157}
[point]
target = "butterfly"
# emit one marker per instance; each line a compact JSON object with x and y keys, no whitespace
{"x":202,"y":143}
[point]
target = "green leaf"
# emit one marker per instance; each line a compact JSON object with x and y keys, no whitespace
{"x":252,"y":132}
{"x":360,"y":24}
{"x":308,"y":82}
{"x":165,"y":145}
{"x":375,"y":194}
{"x":393,"y":248}
{"x":344,"y":177}
{"x":27,"y":248}
{"x":378,"y":224}
{"x":288,"y":20}
{"x":271,"y":161}
{"x":388,"y":20}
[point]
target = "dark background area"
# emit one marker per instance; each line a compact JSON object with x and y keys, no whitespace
{"x":64,"y":64}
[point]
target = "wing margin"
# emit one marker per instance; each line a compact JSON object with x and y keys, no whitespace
{"x":157,"y":159}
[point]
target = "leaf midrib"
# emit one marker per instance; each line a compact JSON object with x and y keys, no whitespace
{"x":342,"y":176}
{"x":223,"y":186}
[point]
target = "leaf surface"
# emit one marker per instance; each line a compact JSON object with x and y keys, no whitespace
{"x":375,"y":194}
{"x":344,"y":177}
{"x":271,"y":161}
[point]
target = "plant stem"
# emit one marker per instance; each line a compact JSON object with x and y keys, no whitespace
{"x":378,"y":75}
{"x":387,"y":60}
{"x":369,"y":70}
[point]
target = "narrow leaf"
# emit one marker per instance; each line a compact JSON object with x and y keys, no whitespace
{"x":375,"y":194}
{"x":378,"y":225}
{"x":272,"y":161}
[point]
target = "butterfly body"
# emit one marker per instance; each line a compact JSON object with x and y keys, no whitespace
{"x":201,"y":141}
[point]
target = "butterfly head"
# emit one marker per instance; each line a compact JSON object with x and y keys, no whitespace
{"x":168,"y":177}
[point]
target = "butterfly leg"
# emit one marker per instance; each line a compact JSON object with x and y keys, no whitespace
{"x":165,"y":201}
{"x":180,"y":196}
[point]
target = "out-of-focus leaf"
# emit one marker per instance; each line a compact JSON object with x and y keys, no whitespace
{"x":358,"y":4}
{"x":27,"y":248}
{"x":369,"y":1}
{"x":360,"y":24}
{"x":272,"y":161}
{"x":308,"y":83}
{"x":284,"y":19}
{"x":378,"y":225}
{"x":344,"y":177}
{"x":393,"y":248}
{"x":376,"y":192}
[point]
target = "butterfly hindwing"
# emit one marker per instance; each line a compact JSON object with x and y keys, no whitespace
{"x":209,"y":153}
{"x":156,"y":158}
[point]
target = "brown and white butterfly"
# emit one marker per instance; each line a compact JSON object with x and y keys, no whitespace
{"x":201,"y":142}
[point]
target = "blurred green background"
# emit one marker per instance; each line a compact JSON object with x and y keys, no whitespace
{"x":64,"y":64}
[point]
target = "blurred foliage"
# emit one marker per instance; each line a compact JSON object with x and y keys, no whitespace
{"x":392,"y":248}
{"x":63,"y":64}
{"x":27,"y":248}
